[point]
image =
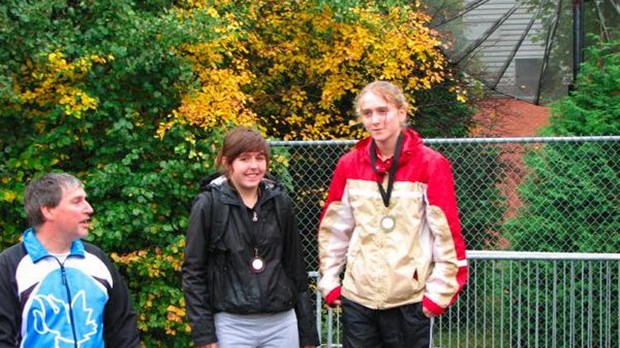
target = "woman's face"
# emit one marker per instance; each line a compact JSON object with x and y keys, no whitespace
{"x":247,"y":170}
{"x":381,"y":118}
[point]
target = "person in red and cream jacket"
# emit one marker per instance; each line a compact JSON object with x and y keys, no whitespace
{"x":391,"y":217}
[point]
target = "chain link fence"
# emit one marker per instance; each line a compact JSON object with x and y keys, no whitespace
{"x":520,"y":194}
{"x":543,"y":195}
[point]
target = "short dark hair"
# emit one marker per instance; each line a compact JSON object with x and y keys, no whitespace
{"x":239,"y":140}
{"x":46,"y":191}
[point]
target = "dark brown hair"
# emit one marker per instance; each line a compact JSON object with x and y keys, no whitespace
{"x":46,"y":191}
{"x":239,"y":140}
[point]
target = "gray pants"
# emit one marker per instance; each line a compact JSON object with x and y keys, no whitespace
{"x":270,"y":330}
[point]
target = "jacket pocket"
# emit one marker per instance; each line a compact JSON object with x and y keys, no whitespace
{"x":282,"y":290}
{"x":413,"y":313}
{"x":407,"y":282}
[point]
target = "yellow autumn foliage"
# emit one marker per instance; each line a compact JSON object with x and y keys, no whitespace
{"x":56,"y":83}
{"x":293,"y":67}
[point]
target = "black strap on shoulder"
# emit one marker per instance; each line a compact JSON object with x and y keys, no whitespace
{"x":218,"y":220}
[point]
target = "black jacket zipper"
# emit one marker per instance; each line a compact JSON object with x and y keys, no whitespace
{"x":65,"y":283}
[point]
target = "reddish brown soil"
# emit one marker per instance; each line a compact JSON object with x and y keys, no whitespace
{"x":510,"y":118}
{"x":503,"y":118}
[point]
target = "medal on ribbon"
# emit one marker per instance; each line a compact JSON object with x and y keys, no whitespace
{"x":257,"y":264}
{"x":387,"y":222}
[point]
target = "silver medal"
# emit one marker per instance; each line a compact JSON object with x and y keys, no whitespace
{"x":388,"y":223}
{"x":257,"y":264}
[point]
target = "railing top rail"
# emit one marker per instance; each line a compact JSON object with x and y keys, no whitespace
{"x":533,"y":255}
{"x":528,"y":255}
{"x":509,"y":140}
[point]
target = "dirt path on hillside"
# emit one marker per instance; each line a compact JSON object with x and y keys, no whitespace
{"x":506,"y":118}
{"x":510,"y":118}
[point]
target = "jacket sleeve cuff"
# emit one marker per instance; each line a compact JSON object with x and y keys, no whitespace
{"x":432,"y":306}
{"x":203,"y":332}
{"x":333,"y":296}
{"x":306,"y":323}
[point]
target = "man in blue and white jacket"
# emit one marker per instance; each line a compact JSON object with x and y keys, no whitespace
{"x":57,"y":290}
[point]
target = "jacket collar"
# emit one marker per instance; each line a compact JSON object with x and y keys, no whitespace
{"x":411,"y":144}
{"x":269,"y":188}
{"x":37,"y":251}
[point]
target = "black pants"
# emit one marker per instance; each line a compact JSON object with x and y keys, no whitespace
{"x":399,"y":327}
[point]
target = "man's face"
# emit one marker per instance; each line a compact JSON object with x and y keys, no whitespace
{"x":71,"y":217}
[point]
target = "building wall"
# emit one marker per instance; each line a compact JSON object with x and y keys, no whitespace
{"x":499,"y":40}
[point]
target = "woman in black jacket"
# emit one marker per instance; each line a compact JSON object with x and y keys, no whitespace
{"x":244,"y":278}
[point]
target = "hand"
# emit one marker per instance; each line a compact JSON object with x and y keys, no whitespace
{"x":208,"y":345}
{"x":428,"y":313}
{"x":333,"y":298}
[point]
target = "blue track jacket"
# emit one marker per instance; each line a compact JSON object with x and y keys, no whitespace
{"x":79,"y":302}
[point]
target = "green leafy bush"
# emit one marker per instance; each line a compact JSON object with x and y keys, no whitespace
{"x":90,"y":87}
{"x":571,"y":194}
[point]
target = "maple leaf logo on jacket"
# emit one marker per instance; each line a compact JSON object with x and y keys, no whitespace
{"x":52,"y":311}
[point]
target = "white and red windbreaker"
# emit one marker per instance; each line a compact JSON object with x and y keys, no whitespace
{"x":421,"y":259}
